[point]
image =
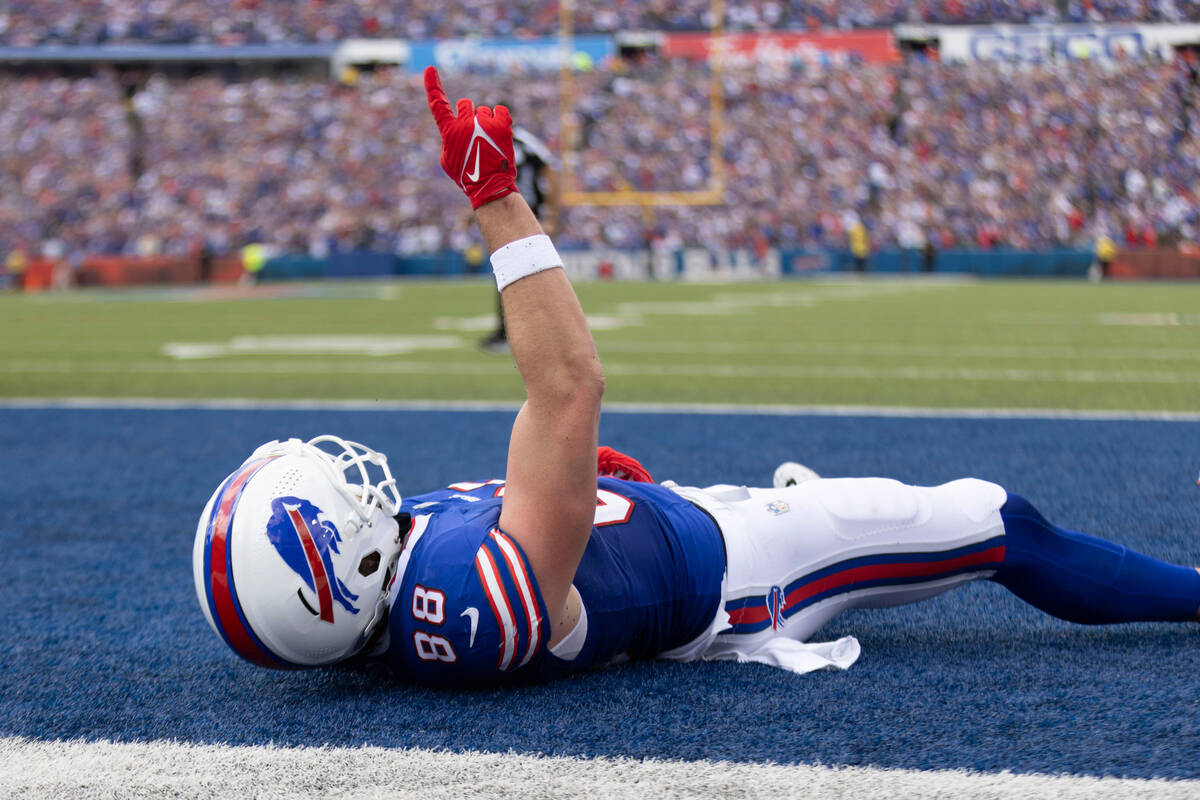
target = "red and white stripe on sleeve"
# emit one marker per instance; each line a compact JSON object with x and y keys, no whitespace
{"x":511,"y":592}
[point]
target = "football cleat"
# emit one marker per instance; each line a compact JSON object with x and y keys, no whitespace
{"x":789,"y":473}
{"x":296,"y":551}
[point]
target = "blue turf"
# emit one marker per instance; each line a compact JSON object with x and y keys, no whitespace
{"x":103,"y":637}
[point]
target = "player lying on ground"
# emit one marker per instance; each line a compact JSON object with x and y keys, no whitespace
{"x":554,"y":571}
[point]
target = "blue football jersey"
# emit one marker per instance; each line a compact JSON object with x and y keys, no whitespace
{"x":467,"y":609}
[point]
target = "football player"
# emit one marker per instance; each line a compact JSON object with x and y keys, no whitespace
{"x":307,"y":556}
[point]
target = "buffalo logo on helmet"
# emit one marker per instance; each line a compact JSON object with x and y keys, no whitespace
{"x":307,"y":543}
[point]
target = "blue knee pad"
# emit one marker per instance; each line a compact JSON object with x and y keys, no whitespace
{"x":1085,"y":579}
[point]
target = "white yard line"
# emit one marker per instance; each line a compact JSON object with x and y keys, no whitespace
{"x":79,"y":769}
{"x":351,"y":345}
{"x":284,"y":366}
{"x":1090,"y":352}
{"x":971,"y":374}
{"x":1096,"y":352}
{"x":722,"y":303}
{"x":275,"y":366}
{"x":731,"y":409}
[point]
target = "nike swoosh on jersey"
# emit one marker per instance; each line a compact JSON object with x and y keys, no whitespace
{"x":473,"y":614}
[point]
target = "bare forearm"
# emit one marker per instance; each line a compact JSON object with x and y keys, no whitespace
{"x":547,"y":330}
{"x":551,"y":475}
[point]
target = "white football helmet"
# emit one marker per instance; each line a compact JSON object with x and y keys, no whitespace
{"x":293,"y":562}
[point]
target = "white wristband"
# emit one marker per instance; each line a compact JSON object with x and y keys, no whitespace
{"x":523,"y":258}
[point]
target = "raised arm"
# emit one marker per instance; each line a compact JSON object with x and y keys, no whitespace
{"x":550,"y":491}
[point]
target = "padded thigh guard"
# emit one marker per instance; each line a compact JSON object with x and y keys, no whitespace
{"x":885,"y":510}
{"x":799,"y":555}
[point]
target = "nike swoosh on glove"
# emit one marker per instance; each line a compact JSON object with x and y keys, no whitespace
{"x":477,"y":144}
{"x":612,"y":463}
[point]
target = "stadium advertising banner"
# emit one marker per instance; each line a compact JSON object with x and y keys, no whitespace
{"x":739,"y":49}
{"x":1034,"y":43}
{"x":451,"y":55}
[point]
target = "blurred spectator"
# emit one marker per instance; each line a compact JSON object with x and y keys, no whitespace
{"x":1105,"y":251}
{"x":860,"y":245}
{"x":15,"y":264}
{"x":64,"y":178}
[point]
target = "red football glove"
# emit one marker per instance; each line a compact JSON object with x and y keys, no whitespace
{"x":615,"y":464}
{"x":477,"y":145}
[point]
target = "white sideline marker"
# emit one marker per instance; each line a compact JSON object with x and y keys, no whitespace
{"x":469,"y":406}
{"x":208,"y":361}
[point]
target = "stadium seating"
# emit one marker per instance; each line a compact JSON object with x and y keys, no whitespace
{"x":34,"y":22}
{"x":969,"y":156}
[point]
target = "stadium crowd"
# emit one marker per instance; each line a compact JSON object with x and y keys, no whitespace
{"x":961,"y":155}
{"x":974,"y":156}
{"x":33,"y":22}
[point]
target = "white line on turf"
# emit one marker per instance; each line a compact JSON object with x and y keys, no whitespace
{"x":721,"y":303}
{"x":1088,"y":352}
{"x":393,"y":345}
{"x":487,"y":322}
{"x":1095,"y":352}
{"x":709,"y":371}
{"x":80,"y":769}
{"x":728,"y":409}
{"x":356,"y":344}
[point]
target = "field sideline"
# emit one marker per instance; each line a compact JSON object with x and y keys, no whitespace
{"x":894,"y":343}
{"x":121,"y":690}
{"x":130,"y":403}
{"x":157,"y":769}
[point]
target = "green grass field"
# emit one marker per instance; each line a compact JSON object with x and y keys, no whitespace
{"x":997,"y":344}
